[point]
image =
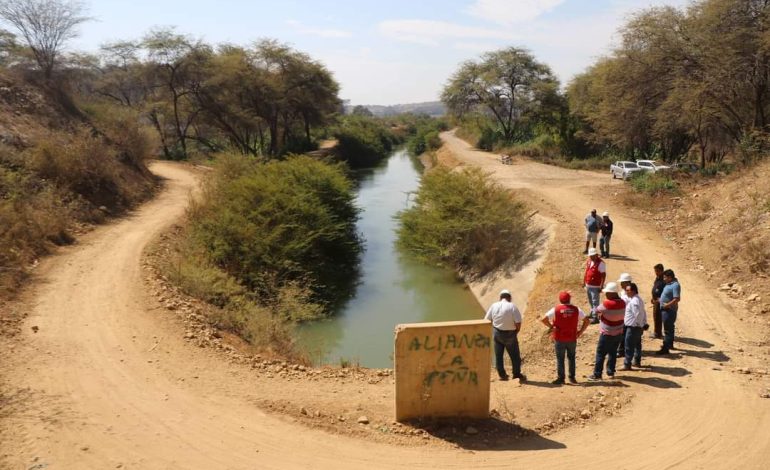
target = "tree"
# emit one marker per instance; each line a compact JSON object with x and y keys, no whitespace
{"x":360,"y":110}
{"x":508,"y":84}
{"x":45,"y":25}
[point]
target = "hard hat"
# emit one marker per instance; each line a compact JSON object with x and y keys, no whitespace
{"x":611,"y":287}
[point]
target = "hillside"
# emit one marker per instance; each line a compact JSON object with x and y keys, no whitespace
{"x":60,"y":170}
{"x":431,"y":108}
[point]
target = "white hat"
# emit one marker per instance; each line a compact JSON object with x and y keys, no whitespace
{"x":592,"y":251}
{"x":505,"y":292}
{"x":606,"y":214}
{"x":611,"y":287}
{"x":625,"y":277}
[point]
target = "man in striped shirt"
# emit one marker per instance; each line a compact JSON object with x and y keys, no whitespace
{"x":611,"y":317}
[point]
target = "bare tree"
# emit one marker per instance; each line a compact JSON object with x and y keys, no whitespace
{"x":45,"y":26}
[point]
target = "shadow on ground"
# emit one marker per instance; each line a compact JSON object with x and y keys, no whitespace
{"x":486,"y":434}
{"x":698,"y":343}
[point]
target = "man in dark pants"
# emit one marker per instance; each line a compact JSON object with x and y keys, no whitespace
{"x":606,"y":235}
{"x":657,"y":289}
{"x":669,"y":306}
{"x":506,"y":322}
{"x":612,"y":314}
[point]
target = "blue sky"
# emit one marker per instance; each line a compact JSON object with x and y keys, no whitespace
{"x":384,"y":52}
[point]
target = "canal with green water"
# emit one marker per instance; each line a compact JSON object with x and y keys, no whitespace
{"x":394,"y":287}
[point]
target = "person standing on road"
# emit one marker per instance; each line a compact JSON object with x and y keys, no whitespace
{"x":593,"y":280}
{"x":562,"y":321}
{"x":612,"y":313}
{"x":657,"y":290}
{"x":669,"y":305}
{"x":506,"y":322}
{"x":593,"y":225}
{"x":604,"y":240}
{"x":624,"y":280}
{"x":634,"y":323}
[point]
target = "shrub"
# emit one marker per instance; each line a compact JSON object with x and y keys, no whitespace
{"x":271,"y":224}
{"x":362,"y":141}
{"x":653,"y":183}
{"x":465,"y":221}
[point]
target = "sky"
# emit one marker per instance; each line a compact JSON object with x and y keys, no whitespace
{"x":383,"y":52}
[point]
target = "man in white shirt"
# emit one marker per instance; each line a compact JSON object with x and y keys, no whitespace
{"x":634,"y":323}
{"x":506,"y":323}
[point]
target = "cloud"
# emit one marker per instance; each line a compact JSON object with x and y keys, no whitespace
{"x":430,"y":32}
{"x":324,"y":33}
{"x":508,"y":12}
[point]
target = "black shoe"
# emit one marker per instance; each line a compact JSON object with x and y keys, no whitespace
{"x":503,"y":379}
{"x":612,"y":376}
{"x":573,"y":380}
{"x":558,"y":382}
{"x":663,"y":352}
{"x":522,"y":378}
{"x":627,"y":368}
{"x":638,"y":364}
{"x":585,"y":252}
{"x":593,"y":378}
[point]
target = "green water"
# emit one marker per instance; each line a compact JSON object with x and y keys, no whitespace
{"x":394,"y":288}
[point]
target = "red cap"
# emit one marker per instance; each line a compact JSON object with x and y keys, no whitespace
{"x":564,"y":297}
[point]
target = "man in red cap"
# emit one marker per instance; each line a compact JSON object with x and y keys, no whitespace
{"x":562,"y":321}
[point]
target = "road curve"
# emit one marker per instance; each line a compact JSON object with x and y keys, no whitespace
{"x":105,"y":383}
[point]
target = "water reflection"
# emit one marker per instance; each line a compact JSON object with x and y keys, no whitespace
{"x":393,"y":288}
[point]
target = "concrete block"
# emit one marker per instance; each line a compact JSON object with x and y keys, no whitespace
{"x":443,"y":369}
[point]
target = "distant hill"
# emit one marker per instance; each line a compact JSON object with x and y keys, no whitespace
{"x":431,"y":108}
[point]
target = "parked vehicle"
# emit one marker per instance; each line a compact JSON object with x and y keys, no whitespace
{"x":623,"y":169}
{"x":651,"y":166}
{"x":686,"y":167}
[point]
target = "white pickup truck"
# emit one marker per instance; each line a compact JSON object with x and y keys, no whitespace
{"x":623,"y":169}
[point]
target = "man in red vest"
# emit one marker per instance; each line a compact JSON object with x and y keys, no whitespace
{"x":562,"y":321}
{"x":593,"y":281}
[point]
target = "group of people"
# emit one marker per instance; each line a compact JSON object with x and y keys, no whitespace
{"x":621,"y":316}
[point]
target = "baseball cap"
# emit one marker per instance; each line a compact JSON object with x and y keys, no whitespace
{"x":606,"y":214}
{"x":611,"y":287}
{"x":625,"y":277}
{"x":564,"y":297}
{"x":592,"y":251}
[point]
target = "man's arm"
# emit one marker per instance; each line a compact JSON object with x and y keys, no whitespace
{"x":583,"y":326}
{"x":547,"y":322}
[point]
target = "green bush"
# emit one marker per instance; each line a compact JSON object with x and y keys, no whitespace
{"x":464,"y":221}
{"x":271,"y":224}
{"x":363,"y":141}
{"x":653,"y":183}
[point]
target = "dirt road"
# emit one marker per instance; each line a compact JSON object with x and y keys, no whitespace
{"x":104,"y":383}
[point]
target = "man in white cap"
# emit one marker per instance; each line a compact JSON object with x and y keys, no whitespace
{"x":606,"y":230}
{"x":624,"y":280}
{"x":612,"y":313}
{"x":506,"y":323}
{"x":593,"y":280}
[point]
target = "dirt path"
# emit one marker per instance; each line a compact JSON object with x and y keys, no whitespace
{"x":105,"y":384}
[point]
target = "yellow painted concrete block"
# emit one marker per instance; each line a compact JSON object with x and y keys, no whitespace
{"x":442,"y":369}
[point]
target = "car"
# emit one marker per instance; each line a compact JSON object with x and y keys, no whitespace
{"x":686,"y":167}
{"x":623,"y":169}
{"x":651,"y":166}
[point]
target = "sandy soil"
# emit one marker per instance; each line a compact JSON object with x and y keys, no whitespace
{"x":107,"y":379}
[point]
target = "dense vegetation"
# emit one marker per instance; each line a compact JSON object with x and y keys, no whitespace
{"x":275,"y":239}
{"x":690,"y":82}
{"x":464,"y":221}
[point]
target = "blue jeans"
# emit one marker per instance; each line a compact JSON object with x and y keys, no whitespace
{"x":561,"y":348}
{"x":593,"y":298}
{"x":604,"y":245}
{"x":607,"y":347}
{"x":669,"y":320}
{"x":507,"y":340}
{"x":633,"y":342}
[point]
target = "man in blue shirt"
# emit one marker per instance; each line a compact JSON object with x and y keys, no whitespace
{"x":669,"y":304}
